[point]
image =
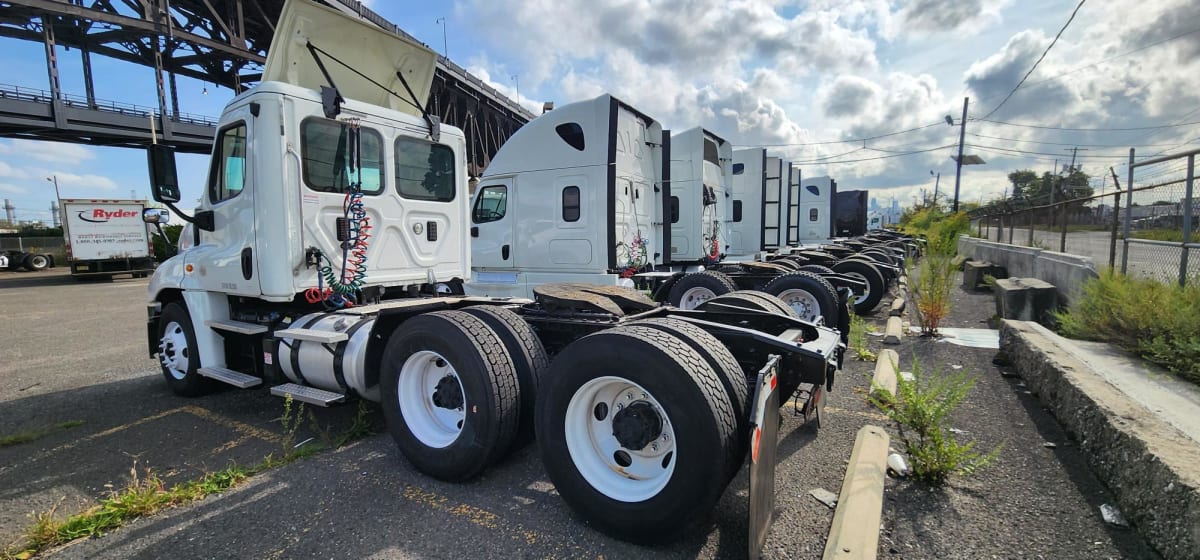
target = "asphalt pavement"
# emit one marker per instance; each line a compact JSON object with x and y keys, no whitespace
{"x":79,"y":354}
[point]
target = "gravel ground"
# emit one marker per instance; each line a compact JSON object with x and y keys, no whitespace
{"x":1034,"y":501}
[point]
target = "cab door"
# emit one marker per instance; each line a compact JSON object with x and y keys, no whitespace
{"x":225,"y":258}
{"x":492,"y":244}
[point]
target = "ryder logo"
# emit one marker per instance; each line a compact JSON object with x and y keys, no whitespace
{"x":100,"y":216}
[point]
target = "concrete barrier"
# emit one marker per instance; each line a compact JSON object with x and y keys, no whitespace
{"x":1151,"y":465}
{"x":854,"y":533}
{"x":1067,"y":272}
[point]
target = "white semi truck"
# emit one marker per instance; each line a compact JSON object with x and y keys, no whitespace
{"x":330,"y":252}
{"x":106,"y":237}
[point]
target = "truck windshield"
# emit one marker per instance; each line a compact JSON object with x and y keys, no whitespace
{"x":325,"y":149}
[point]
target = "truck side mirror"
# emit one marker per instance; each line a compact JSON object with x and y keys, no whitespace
{"x":156,"y":216}
{"x":164,"y":184}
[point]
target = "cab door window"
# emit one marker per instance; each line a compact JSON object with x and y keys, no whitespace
{"x":491,"y":204}
{"x":227,"y":177}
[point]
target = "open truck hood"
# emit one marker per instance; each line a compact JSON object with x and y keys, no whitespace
{"x":371,"y":51}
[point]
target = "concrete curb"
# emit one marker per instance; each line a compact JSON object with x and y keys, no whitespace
{"x":885,"y":371}
{"x":1149,"y":465}
{"x":854,"y":533}
{"x":897,"y":307}
{"x":894,"y":332}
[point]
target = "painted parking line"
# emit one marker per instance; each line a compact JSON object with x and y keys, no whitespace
{"x":467,"y":512}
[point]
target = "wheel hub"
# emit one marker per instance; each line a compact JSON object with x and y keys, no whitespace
{"x":637,"y":425}
{"x":448,"y":393}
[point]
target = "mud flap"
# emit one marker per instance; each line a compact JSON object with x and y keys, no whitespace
{"x":764,"y":441}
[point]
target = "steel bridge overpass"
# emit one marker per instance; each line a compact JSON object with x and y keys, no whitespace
{"x":223,"y":42}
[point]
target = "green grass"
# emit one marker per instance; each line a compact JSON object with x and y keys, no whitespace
{"x":1164,"y":234}
{"x":920,"y":409}
{"x":858,"y":338}
{"x":1157,"y":321}
{"x":146,"y":494}
{"x":39,"y":433}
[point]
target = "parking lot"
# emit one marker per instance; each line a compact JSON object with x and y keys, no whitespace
{"x":75,"y":352}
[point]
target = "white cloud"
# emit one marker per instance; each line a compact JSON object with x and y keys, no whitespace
{"x":12,"y":189}
{"x":53,"y":152}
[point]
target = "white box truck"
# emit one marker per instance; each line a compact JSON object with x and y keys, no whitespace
{"x":106,"y":237}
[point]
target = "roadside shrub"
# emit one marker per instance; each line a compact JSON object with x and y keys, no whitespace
{"x":1157,"y":321}
{"x":920,"y":410}
{"x":930,"y":290}
{"x":942,"y":235}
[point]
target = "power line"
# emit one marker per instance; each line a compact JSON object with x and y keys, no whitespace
{"x":1016,"y":151}
{"x":1039,"y":60}
{"x":877,"y":157}
{"x":852,"y":140}
{"x":1127,"y":129}
{"x":1065,"y":143}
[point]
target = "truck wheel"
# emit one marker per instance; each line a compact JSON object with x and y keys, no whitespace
{"x":178,"y":354}
{"x":36,"y":262}
{"x":750,"y":299}
{"x":863,"y":302}
{"x":528,"y":355}
{"x":450,"y":394}
{"x":819,"y":269}
{"x":721,"y":360}
{"x":699,"y":287}
{"x":636,"y":432}
{"x":807,"y":293}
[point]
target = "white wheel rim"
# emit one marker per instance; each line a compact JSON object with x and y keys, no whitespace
{"x":596,"y":451}
{"x":695,"y":296}
{"x":173,"y":350}
{"x":859,"y":298}
{"x":425,"y":406}
{"x":804,"y":303}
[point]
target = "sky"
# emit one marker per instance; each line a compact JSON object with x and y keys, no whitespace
{"x":810,"y":80}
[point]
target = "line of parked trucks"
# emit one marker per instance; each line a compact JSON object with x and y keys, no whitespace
{"x":628,"y":297}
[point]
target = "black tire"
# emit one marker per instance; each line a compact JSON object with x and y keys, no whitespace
{"x":183,"y":381}
{"x":35,"y":262}
{"x":785,"y":263}
{"x":755,"y":300}
{"x":528,"y":355}
{"x":718,"y":283}
{"x":696,"y":408}
{"x":489,"y":387}
{"x":875,"y":282}
{"x":821,"y":290}
{"x":721,"y":360}
{"x":819,"y":269}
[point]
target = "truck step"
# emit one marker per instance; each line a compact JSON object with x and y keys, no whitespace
{"x":310,"y":395}
{"x":324,"y":337}
{"x":236,"y":326}
{"x":226,"y":375}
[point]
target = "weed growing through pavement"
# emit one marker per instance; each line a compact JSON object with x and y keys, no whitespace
{"x":33,"y":435}
{"x":920,"y":409}
{"x":858,"y":338}
{"x":146,"y":494}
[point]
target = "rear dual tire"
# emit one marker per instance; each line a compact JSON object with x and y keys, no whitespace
{"x":637,"y":432}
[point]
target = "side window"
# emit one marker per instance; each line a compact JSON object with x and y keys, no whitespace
{"x":424,"y":170}
{"x":814,"y":190}
{"x":570,"y":204}
{"x":227,"y":176}
{"x":737,"y":211}
{"x":491,"y":204}
{"x":326,"y":152}
{"x":710,"y":152}
{"x":572,"y":134}
{"x":739,"y":168}
{"x":674,"y":209}
{"x":812,"y":214}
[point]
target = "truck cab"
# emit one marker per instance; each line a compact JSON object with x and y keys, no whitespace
{"x":576,"y":195}
{"x":701,"y":203}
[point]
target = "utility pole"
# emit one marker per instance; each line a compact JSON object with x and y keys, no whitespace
{"x":962,"y":133}
{"x":936,"y":182}
{"x":445,"y":47}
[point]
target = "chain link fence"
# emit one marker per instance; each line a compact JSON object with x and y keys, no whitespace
{"x":1144,"y":228}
